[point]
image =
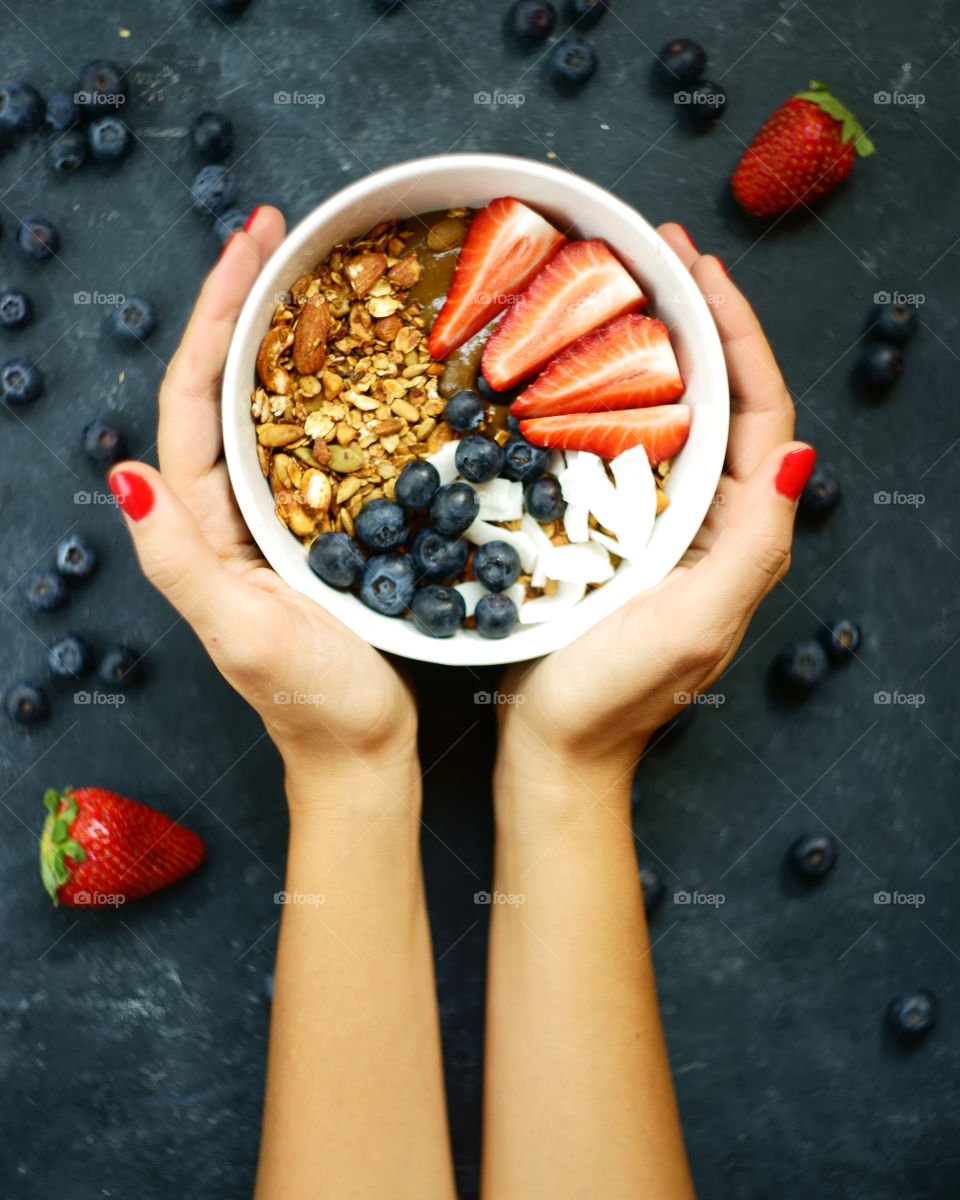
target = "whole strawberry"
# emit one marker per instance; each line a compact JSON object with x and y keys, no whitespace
{"x":98,"y":848}
{"x":804,"y":150}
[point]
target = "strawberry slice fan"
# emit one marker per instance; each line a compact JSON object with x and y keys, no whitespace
{"x":662,"y":431}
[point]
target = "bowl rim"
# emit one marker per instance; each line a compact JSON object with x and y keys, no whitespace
{"x":279,"y":546}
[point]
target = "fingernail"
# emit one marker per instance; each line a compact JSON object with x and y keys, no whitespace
{"x":226,"y":244}
{"x":252,"y":218}
{"x":687,"y":236}
{"x":795,"y":471}
{"x":133,"y":493}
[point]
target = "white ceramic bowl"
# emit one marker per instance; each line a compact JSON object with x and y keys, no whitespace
{"x":579,"y":208}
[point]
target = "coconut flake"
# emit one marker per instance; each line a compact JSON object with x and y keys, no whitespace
{"x":445,"y":461}
{"x":637,"y":493}
{"x":545,"y":608}
{"x":608,"y":543}
{"x":471,"y":591}
{"x":587,"y":562}
{"x":575,"y":521}
{"x":481,"y":532}
{"x":500,"y":500}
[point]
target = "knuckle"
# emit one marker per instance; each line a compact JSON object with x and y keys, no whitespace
{"x":771,"y":554}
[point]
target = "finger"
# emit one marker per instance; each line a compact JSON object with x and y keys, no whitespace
{"x":679,"y":242}
{"x":188,"y":437}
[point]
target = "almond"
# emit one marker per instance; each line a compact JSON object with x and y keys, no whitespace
{"x":387,"y":328}
{"x":310,"y":336}
{"x":364,"y":271}
{"x":406,"y":272}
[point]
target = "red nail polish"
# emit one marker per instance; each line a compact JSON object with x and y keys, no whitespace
{"x":687,"y":236}
{"x":795,"y":471}
{"x":226,"y":244}
{"x":252,"y":218}
{"x":133,"y":493}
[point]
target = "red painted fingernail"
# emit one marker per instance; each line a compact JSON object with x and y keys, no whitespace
{"x":133,"y":493}
{"x":226,"y":244}
{"x":687,"y":236}
{"x":795,"y":471}
{"x":252,"y":218}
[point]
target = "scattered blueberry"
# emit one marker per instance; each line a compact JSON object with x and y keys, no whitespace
{"x":227,"y":8}
{"x":822,"y":493}
{"x":38,"y":238}
{"x":214,"y":190}
{"x":229,"y":223}
{"x":388,"y":584}
{"x":478,"y":457}
{"x":881,"y":364}
{"x":16,"y":311}
{"x":76,"y":557}
{"x":496,"y":615}
{"x":120,"y":667}
{"x":813,"y":855}
{"x":26,"y":703}
{"x":573,"y":60}
{"x":69,"y":657}
{"x":800,"y":666}
{"x":651,"y":881}
{"x":438,"y":557}
{"x":895,"y":322}
{"x":496,"y":565}
{"x":135,"y":319}
{"x":103,"y":444}
{"x":454,"y":508}
{"x":417,"y":485}
{"x":67,"y":151}
{"x":531,"y":21}
{"x":100,"y":85}
{"x":682,"y":61}
{"x":337,"y":559}
{"x":706,"y":100}
{"x":212,"y":136}
{"x":20,"y":382}
{"x":62,"y":111}
{"x":438,"y":611}
{"x":840,"y":637}
{"x":912,"y":1014}
{"x":464,"y":411}
{"x":522,"y":460}
{"x":110,"y":139}
{"x":586,"y":13}
{"x":382,"y":525}
{"x":45,"y":591}
{"x":21,"y":108}
{"x":544,"y":499}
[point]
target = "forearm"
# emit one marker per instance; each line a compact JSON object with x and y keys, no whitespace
{"x":354,"y":1101}
{"x":579,"y":1098}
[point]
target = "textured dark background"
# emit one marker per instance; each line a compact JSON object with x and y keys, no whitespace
{"x":132,"y":1044}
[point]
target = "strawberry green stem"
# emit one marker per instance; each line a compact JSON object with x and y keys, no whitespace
{"x":56,"y":844}
{"x":851,"y":130}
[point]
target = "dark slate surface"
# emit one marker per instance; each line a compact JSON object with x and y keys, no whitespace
{"x":133,"y":1043}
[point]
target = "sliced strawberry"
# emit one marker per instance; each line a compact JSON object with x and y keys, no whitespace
{"x":506,"y":245}
{"x":628,"y":363}
{"x":662,"y":431}
{"x":582,"y":286}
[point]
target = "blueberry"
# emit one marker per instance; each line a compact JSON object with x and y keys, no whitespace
{"x":479,"y":457}
{"x":682,"y":61}
{"x":881,"y":364}
{"x":464,"y":411}
{"x":67,"y":151}
{"x":110,"y":139}
{"x":135,"y":319}
{"x":492,"y":396}
{"x":62,"y":111}
{"x":417,"y":484}
{"x":913,"y":1013}
{"x":211,"y":135}
{"x":229,"y":223}
{"x":707,"y":101}
{"x":388,"y":584}
{"x":120,"y":667}
{"x":214,"y":190}
{"x":531,"y":21}
{"x":20,"y":382}
{"x":454,"y":508}
{"x":45,"y":591}
{"x":822,"y":493}
{"x":840,"y":637}
{"x":438,"y":557}
{"x":895,"y":322}
{"x":800,"y":666}
{"x":16,"y":311}
{"x":573,"y":60}
{"x":26,"y":703}
{"x":382,"y":525}
{"x":586,"y":13}
{"x":76,"y":557}
{"x":544,"y":499}
{"x":21,"y":108}
{"x":438,"y":611}
{"x":227,"y":8}
{"x":813,"y":855}
{"x":513,"y":423}
{"x":337,"y":559}
{"x":522,"y":460}
{"x":38,"y":238}
{"x":103,"y":444}
{"x":496,"y":615}
{"x":69,"y":657}
{"x":651,"y":881}
{"x":496,"y":565}
{"x":100,"y":84}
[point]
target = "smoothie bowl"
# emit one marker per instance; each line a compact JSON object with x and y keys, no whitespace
{"x":473,"y":404}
